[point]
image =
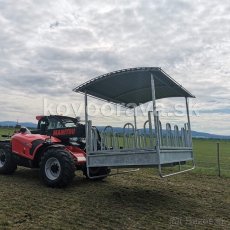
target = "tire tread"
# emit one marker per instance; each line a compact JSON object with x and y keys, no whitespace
{"x":68,"y":167}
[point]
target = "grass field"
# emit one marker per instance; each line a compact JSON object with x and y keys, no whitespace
{"x":134,"y":201}
{"x":141,"y":200}
{"x":6,"y":131}
{"x":206,"y":156}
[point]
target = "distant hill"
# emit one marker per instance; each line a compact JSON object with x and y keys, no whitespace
{"x":195,"y":134}
{"x":208,"y":135}
{"x":13,"y":123}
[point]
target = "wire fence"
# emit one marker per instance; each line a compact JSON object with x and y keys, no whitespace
{"x":213,"y":157}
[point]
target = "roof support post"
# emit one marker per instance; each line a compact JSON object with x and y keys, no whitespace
{"x":154,"y":109}
{"x":135,"y":128}
{"x":153,"y":94}
{"x":86,"y":123}
{"x":150,"y":129}
{"x":156,"y":121}
{"x":135,"y":118}
{"x":189,"y":124}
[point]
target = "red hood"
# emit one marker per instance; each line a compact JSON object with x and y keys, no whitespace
{"x":32,"y":137}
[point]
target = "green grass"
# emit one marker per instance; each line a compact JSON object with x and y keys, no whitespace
{"x":142,"y":200}
{"x":206,"y":156}
{"x":133,"y":201}
{"x":6,"y":131}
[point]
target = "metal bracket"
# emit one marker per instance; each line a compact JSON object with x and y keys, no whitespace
{"x":175,"y":173}
{"x":111,"y":174}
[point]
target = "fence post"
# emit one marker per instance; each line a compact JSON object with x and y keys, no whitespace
{"x":218,"y":157}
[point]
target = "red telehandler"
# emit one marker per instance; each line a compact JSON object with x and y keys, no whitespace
{"x":57,"y":147}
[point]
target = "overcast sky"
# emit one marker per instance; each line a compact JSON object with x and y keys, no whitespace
{"x":49,"y":47}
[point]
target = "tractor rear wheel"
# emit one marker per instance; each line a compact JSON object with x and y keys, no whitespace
{"x":7,"y":164}
{"x":57,"y":168}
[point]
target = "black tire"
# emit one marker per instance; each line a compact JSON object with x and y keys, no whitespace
{"x":97,"y":171}
{"x":57,"y":168}
{"x":7,"y":164}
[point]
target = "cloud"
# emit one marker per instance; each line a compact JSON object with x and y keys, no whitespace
{"x":50,"y":47}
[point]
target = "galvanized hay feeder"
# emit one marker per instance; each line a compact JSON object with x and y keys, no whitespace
{"x":159,"y":147}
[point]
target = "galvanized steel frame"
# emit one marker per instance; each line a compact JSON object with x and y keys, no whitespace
{"x":157,"y":124}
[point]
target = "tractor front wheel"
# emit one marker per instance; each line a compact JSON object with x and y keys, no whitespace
{"x":7,"y":164}
{"x":57,"y":168}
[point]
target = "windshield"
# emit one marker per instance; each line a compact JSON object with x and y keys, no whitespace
{"x":67,"y":122}
{"x":61,"y":122}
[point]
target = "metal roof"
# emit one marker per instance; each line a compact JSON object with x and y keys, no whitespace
{"x":133,"y":86}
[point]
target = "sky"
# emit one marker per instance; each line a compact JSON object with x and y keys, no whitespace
{"x":47,"y":48}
